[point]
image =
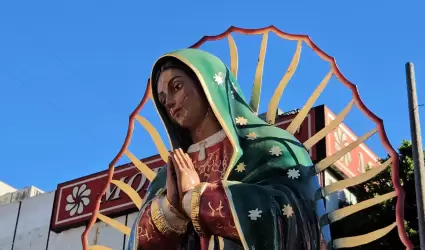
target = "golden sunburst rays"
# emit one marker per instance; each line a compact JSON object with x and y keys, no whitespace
{"x":341,"y":213}
{"x":362,"y":239}
{"x":162,"y":149}
{"x":111,"y":222}
{"x":256,"y":89}
{"x":328,"y":161}
{"x":114,"y":223}
{"x":99,"y":247}
{"x":274,"y":101}
{"x":272,"y":112}
{"x":347,"y":211}
{"x":365,"y":238}
{"x":234,"y":60}
{"x":143,"y":169}
{"x":296,"y":123}
{"x":134,"y":196}
{"x":330,"y":127}
{"x":341,"y":185}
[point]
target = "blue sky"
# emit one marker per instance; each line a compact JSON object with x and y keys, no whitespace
{"x":71,"y":72}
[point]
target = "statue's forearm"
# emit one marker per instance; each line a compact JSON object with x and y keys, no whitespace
{"x":151,"y":231}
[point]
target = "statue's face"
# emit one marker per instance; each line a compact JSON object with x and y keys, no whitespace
{"x":182,"y":98}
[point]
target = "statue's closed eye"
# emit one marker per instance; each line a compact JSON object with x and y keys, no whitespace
{"x":177,"y":85}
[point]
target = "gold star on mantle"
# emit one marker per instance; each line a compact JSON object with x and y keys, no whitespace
{"x":276,"y":151}
{"x":240,"y":167}
{"x":287,"y":210}
{"x":241,"y":120}
{"x":251,"y":136}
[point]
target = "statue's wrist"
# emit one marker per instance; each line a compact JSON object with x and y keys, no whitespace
{"x":172,"y":211}
{"x":172,"y":203}
{"x":167,"y":218}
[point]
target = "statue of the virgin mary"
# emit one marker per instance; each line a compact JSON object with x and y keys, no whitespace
{"x":232,"y":180}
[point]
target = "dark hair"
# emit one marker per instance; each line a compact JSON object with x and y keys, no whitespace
{"x":182,"y":135}
{"x":173,"y":63}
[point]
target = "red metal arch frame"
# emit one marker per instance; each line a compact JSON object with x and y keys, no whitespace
{"x":359,"y":102}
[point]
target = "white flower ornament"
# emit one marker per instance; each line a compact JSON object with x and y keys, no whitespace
{"x":251,"y":136}
{"x":255,"y":214}
{"x":241,"y":120}
{"x":276,"y":151}
{"x":240,"y":167}
{"x":77,"y":200}
{"x":219,"y":78}
{"x":293,"y":173}
{"x":288,"y":211}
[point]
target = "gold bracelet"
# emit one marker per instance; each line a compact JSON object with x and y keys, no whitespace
{"x":161,"y":222}
{"x":195,"y":207}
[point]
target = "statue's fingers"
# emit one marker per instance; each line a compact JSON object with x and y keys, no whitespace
{"x":181,"y":163}
{"x":180,"y":156}
{"x":189,"y":161}
{"x":176,"y":163}
{"x":178,"y":172}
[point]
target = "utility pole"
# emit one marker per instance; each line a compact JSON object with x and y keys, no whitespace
{"x":417,"y":150}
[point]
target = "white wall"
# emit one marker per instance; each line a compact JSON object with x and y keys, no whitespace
{"x":8,"y":216}
{"x":105,"y":235}
{"x":66,"y":240}
{"x":100,"y":234}
{"x":6,"y":193}
{"x":34,"y":222}
{"x":4,"y":188}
